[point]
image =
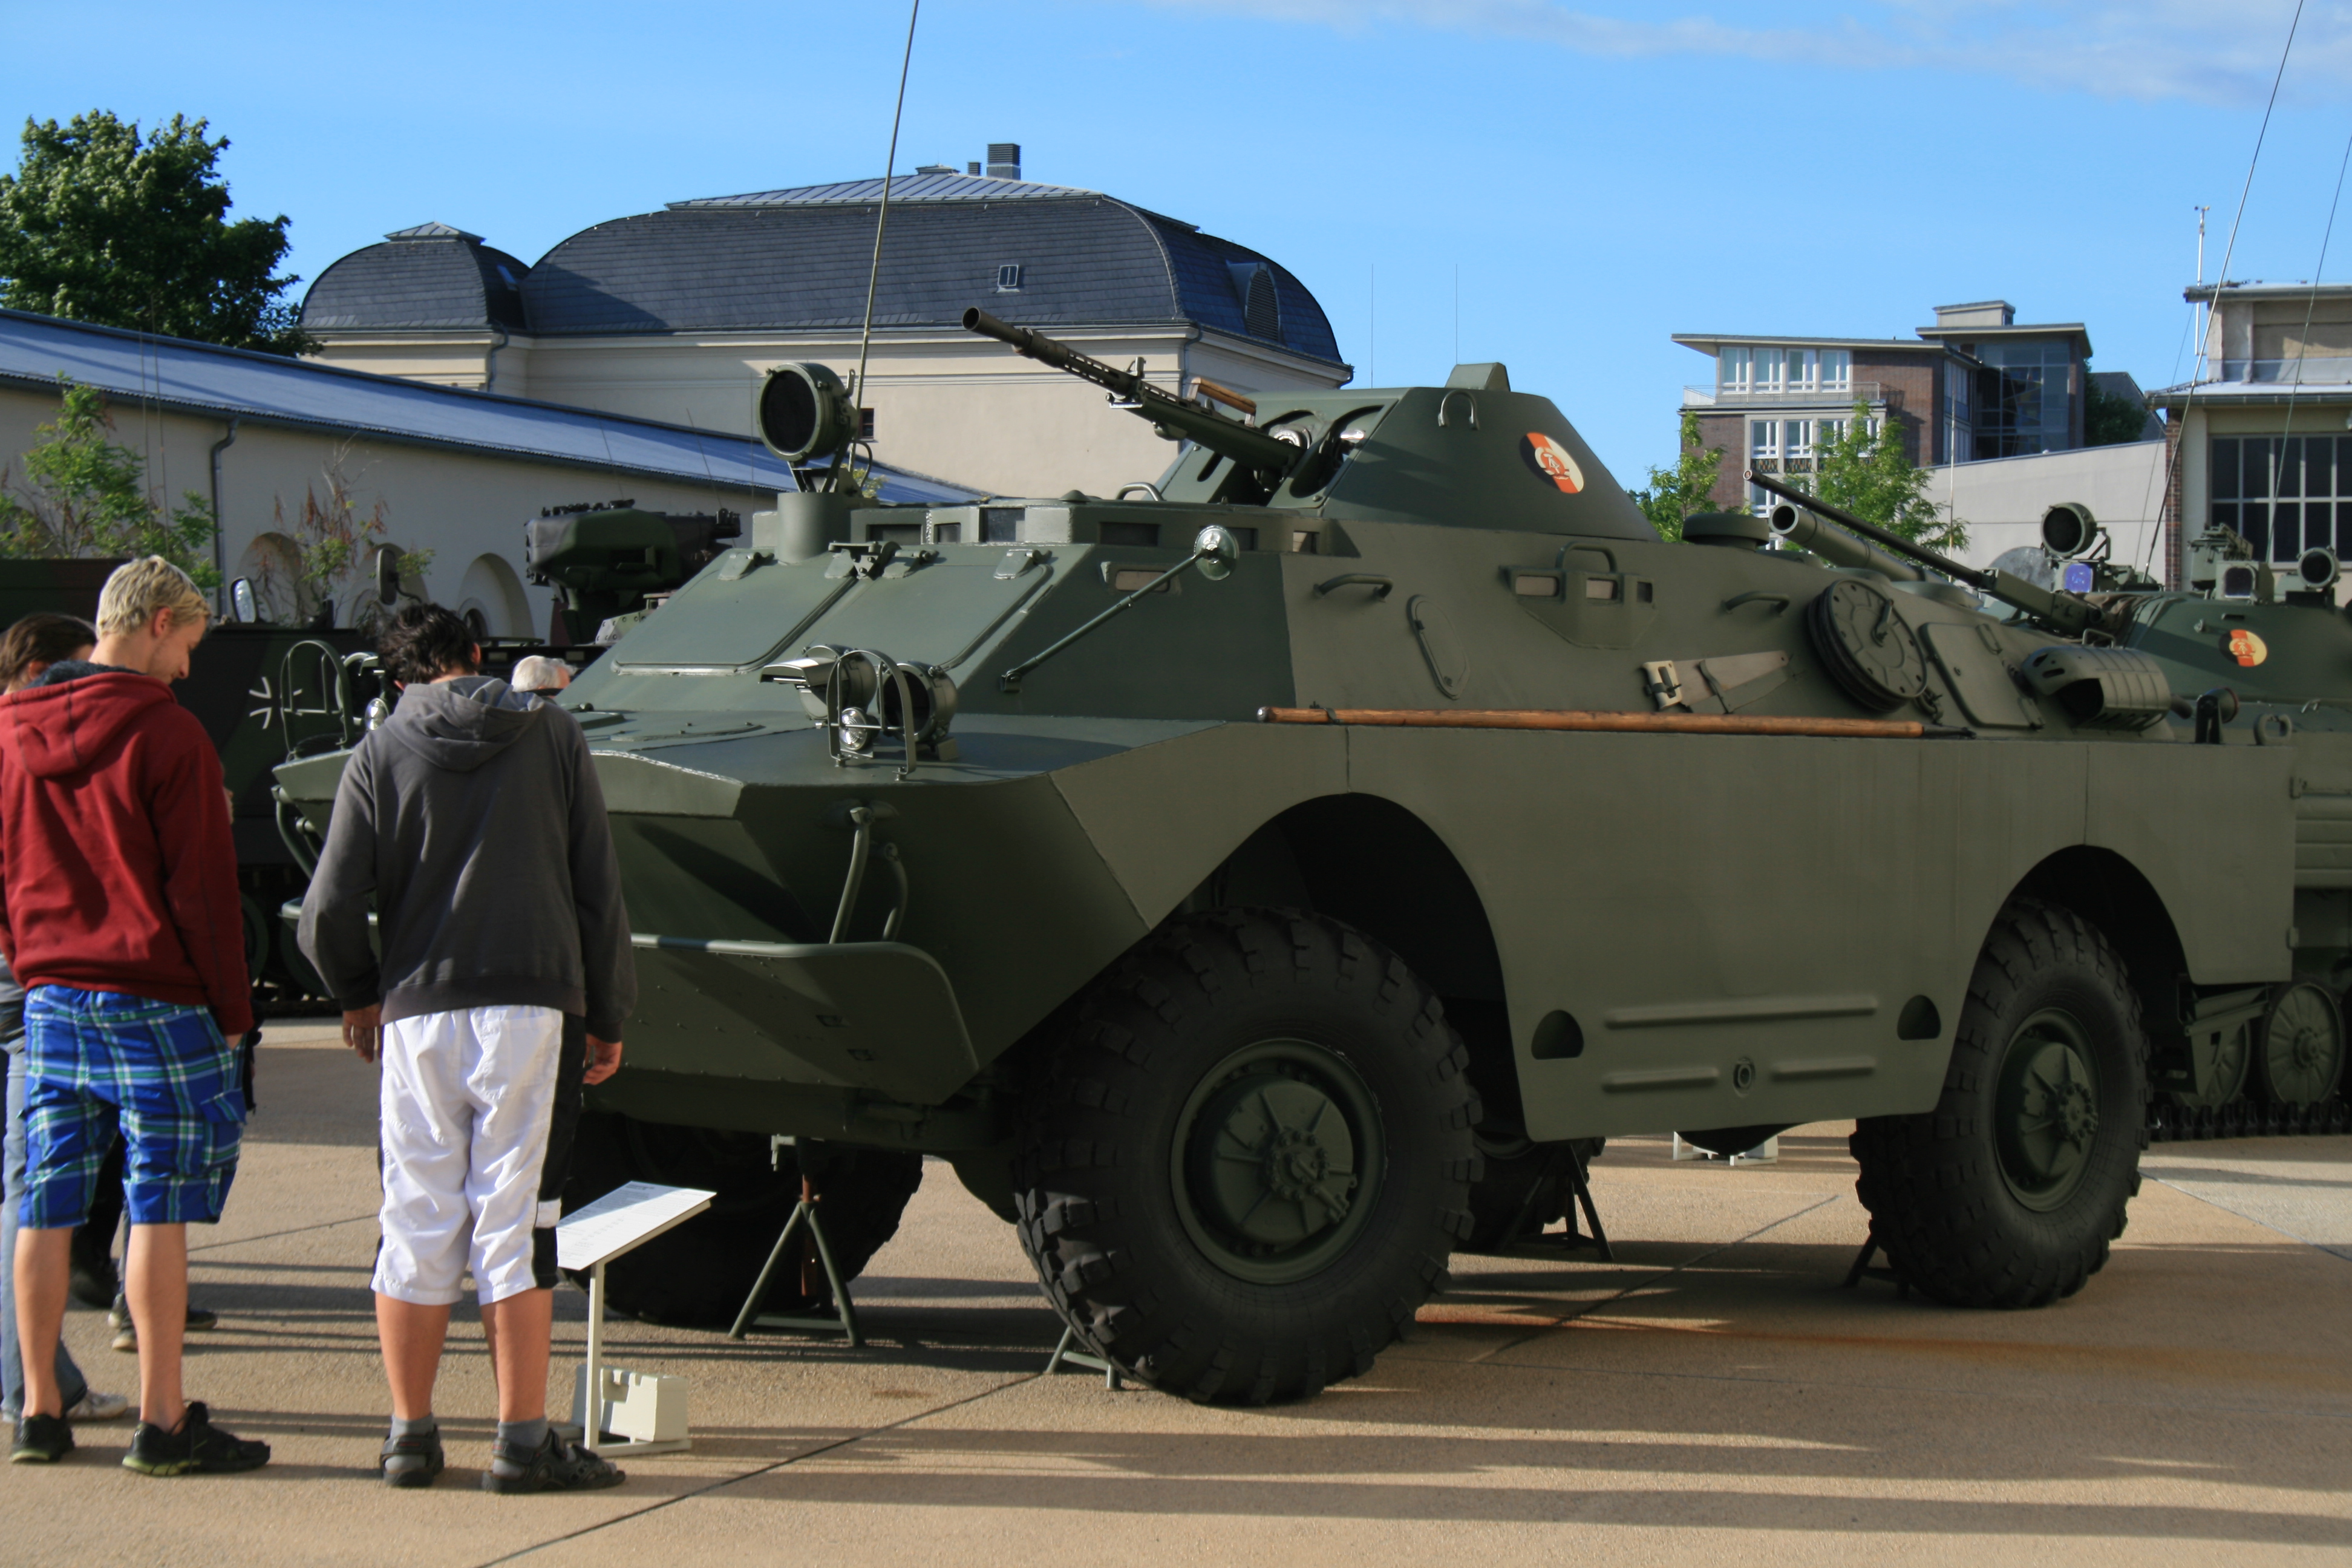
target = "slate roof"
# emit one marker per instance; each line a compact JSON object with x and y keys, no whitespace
{"x":797,"y":259}
{"x":202,"y":379}
{"x":431,"y":276}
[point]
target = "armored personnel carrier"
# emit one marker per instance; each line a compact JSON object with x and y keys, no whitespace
{"x":1260,"y":883}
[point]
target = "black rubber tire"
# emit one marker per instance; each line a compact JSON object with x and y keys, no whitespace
{"x":1101,"y":1213}
{"x":1512,"y":1165}
{"x":697,"y":1275}
{"x":1940,"y":1198}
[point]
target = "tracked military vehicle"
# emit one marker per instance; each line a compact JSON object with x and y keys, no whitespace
{"x":1256,"y":882}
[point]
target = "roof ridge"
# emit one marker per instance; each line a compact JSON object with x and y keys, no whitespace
{"x":918,"y":187}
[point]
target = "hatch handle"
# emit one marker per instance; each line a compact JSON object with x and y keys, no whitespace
{"x":1381,"y":586}
{"x":1446,"y":401}
{"x":1779,"y":602}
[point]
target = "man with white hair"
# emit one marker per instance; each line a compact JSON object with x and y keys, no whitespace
{"x":541,"y":674}
{"x":120,"y":916}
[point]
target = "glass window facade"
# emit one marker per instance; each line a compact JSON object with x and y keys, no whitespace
{"x":1752,"y":370}
{"x":2024,"y":399}
{"x":2285,"y":494}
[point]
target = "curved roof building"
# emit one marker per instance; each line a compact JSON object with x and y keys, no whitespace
{"x":673,"y":314}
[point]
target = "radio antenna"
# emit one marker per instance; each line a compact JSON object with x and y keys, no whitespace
{"x":874,"y":272}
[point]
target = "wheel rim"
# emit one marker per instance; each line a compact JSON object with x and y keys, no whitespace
{"x":2046,"y":1110}
{"x":2300,"y":1048}
{"x":2225,"y":1062}
{"x":1277,"y":1161}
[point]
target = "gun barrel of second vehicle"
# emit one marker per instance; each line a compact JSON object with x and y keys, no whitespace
{"x":1231,"y":438}
{"x":2068,"y":613}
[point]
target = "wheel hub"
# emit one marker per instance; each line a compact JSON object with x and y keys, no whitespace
{"x":1282,"y":1161}
{"x":1279,"y":1161}
{"x":2047,"y":1111}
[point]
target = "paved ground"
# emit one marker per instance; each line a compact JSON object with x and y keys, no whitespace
{"x":2194,"y":1403}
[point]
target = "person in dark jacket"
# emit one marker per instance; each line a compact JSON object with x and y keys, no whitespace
{"x":120,"y":915}
{"x":473,"y":821}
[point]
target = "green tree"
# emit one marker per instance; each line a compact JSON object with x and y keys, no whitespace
{"x":84,"y":495}
{"x":1672,"y":494}
{"x":100,"y":224}
{"x":2108,"y":420}
{"x":1866,"y":472}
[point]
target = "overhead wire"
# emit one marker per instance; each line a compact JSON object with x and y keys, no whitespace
{"x":2221,"y":278}
{"x":2303,"y":345}
{"x":874,"y":272}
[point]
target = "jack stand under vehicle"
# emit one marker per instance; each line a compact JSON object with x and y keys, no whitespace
{"x":1562,"y":1162}
{"x":1066,"y":1353}
{"x":845,"y":1323}
{"x":1863,"y":1267}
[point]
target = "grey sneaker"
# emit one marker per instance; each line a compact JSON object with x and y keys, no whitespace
{"x":95,"y":1407}
{"x":555,"y":1466}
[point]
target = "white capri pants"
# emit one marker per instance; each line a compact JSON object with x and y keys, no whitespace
{"x":479,"y":1108}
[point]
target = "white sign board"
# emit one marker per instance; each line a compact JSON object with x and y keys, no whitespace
{"x":624,"y":1218}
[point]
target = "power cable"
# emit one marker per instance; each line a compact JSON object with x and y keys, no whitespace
{"x":874,"y":272}
{"x":2303,"y":349}
{"x":2221,"y":278}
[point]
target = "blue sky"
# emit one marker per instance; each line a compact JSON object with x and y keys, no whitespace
{"x":1598,"y":176}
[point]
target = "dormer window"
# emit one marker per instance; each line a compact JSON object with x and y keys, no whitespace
{"x":1008,"y":278}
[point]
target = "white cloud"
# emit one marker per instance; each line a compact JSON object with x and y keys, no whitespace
{"x":2148,"y":49}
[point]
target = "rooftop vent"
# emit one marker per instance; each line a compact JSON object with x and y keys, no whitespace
{"x":1983,"y":313}
{"x":1253,"y":284}
{"x":935,"y":168}
{"x":1004,"y":160}
{"x":971,"y":168}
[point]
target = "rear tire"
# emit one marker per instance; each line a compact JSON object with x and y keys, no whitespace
{"x":1247,"y":1157}
{"x":697,"y":1275}
{"x":2008,"y":1193}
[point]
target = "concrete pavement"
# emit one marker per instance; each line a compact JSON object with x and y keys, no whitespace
{"x":1713,"y":1392}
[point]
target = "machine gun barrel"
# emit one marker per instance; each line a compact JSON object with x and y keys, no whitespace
{"x":1806,"y":532}
{"x":1231,"y":438}
{"x":2068,"y":613}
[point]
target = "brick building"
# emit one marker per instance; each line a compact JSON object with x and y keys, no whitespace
{"x":1977,"y":385}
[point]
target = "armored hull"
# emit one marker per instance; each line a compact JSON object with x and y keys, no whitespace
{"x":1256,"y":945}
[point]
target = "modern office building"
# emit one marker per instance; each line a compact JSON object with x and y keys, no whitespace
{"x":676,"y":315}
{"x":1976,"y":385}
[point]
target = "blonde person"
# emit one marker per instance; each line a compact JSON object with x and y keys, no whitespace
{"x":120,"y":915}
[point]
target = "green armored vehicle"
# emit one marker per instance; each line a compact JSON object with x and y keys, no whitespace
{"x":1265,"y":882}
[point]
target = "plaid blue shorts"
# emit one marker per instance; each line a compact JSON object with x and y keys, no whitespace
{"x":161,"y":1070}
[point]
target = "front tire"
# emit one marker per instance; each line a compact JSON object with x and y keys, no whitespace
{"x":1247,"y":1157}
{"x":2008,"y":1193}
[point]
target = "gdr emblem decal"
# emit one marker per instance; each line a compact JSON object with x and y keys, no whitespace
{"x":1550,"y":459}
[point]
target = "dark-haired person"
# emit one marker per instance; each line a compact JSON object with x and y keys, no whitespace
{"x":27,"y":651}
{"x":119,"y":912}
{"x":472,"y":821}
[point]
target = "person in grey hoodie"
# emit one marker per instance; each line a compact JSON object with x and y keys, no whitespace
{"x":473,"y":822}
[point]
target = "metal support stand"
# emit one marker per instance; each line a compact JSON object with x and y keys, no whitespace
{"x":598,"y":1443}
{"x":1863,"y":1267}
{"x":1087,"y":1359}
{"x":1571,"y":1239}
{"x":845,"y":1323}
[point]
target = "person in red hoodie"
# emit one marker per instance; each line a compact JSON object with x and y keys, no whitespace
{"x":119,"y":914}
